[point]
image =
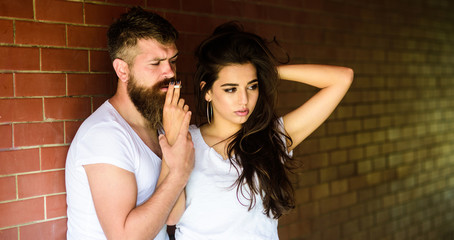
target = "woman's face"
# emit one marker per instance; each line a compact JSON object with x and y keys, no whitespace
{"x":234,"y":94}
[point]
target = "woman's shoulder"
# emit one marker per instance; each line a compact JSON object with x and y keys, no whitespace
{"x":195,"y":133}
{"x":193,"y":128}
{"x":197,"y":138}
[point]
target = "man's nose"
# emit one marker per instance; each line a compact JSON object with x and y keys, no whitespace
{"x":168,"y":69}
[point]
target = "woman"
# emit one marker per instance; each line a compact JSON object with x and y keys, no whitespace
{"x":240,"y":184}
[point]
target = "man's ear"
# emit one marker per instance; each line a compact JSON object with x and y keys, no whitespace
{"x":121,"y":69}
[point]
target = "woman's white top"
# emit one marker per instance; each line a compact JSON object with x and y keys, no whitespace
{"x":213,"y":209}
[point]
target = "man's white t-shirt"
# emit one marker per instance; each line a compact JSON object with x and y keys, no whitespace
{"x":213,"y":209}
{"x":105,"y":137}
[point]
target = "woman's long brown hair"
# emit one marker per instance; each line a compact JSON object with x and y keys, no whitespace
{"x":258,"y":151}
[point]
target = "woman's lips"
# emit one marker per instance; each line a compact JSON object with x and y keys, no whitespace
{"x":242,"y":112}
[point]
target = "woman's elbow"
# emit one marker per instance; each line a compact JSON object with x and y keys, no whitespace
{"x":348,"y":75}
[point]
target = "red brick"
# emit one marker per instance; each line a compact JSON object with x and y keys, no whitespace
{"x":290,"y":100}
{"x":67,"y":108}
{"x":40,"y":84}
{"x":56,"y":206}
{"x":276,"y":2}
{"x":230,"y":8}
{"x":289,"y":33}
{"x":7,"y":188}
{"x":102,"y":14}
{"x":172,"y":4}
{"x":90,"y":37}
{"x":31,"y":134}
{"x":90,"y":84}
{"x":9,"y":233}
{"x":292,"y":216}
{"x":100,"y":61}
{"x":19,"y":161}
{"x":31,"y":33}
{"x":16,"y":110}
{"x":270,"y":31}
{"x":308,"y":178}
{"x":17,"y":9}
{"x":278,"y":14}
{"x":6,"y":85}
{"x":331,"y":233}
{"x":64,"y":60}
{"x":6,"y":31}
{"x":56,"y":10}
{"x":320,"y":191}
{"x":302,"y":195}
{"x":186,"y":44}
{"x":19,"y":58}
{"x":53,"y":157}
{"x":20,"y":212}
{"x":51,"y":230}
{"x":185,"y":64}
{"x":98,"y":101}
{"x":191,"y":23}
{"x":6,"y":131}
{"x":201,"y":6}
{"x":339,"y":186}
{"x":309,"y":146}
{"x":358,"y":182}
{"x":71,"y":128}
{"x":348,"y":199}
{"x":36,"y":184}
{"x":316,"y":161}
{"x":129,"y":2}
{"x":329,"y":204}
{"x":347,"y":170}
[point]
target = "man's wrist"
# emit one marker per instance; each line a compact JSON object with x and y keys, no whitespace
{"x":177,"y":178}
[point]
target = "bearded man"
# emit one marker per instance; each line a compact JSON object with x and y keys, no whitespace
{"x":123,"y":177}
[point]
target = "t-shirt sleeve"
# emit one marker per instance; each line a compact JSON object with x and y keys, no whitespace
{"x":282,"y":129}
{"x":106,"y":143}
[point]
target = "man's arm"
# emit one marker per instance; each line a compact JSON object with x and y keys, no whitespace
{"x":173,"y":115}
{"x":114,"y":192}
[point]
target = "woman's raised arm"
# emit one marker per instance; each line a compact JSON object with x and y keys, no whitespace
{"x":333,"y":82}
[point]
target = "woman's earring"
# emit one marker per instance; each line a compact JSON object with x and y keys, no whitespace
{"x":209,"y":112}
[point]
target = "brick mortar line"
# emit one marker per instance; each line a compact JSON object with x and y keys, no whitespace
{"x":51,"y":47}
{"x":33,"y":172}
{"x":33,"y":222}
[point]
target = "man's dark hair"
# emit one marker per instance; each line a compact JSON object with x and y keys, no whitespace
{"x":134,"y":25}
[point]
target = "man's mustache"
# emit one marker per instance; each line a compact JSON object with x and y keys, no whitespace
{"x":165,"y":82}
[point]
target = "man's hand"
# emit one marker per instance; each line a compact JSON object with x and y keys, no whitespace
{"x":173,"y":112}
{"x":176,"y":146}
{"x":179,"y":156}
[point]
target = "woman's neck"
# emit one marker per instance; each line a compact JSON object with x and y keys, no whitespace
{"x":221,"y":130}
{"x":218,"y":136}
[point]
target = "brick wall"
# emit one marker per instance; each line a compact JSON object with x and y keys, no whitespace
{"x":382,"y":166}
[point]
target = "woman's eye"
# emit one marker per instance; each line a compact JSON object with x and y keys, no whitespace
{"x":230,"y":90}
{"x":253,"y":87}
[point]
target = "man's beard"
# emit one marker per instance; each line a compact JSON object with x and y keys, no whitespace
{"x":148,"y":101}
